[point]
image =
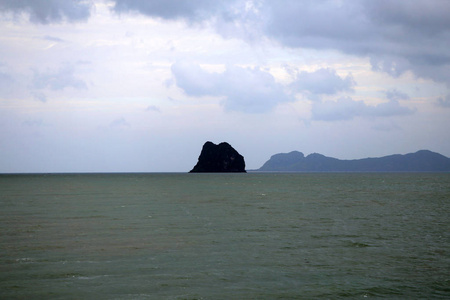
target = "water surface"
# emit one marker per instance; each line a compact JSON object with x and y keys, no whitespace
{"x":225,"y":236}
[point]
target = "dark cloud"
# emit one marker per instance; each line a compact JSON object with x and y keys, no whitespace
{"x":194,"y":10}
{"x":426,"y":17}
{"x":346,"y":108}
{"x":58,"y":80}
{"x":397,"y":35}
{"x":243,"y":89}
{"x":444,"y":102}
{"x":396,"y":95}
{"x":49,"y":11}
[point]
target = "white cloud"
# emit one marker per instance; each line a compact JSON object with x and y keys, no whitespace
{"x":250,"y":90}
{"x":120,"y":122}
{"x":58,"y":80}
{"x":194,"y":80}
{"x":13,"y":85}
{"x":153,"y":108}
{"x":254,"y":90}
{"x":39,"y":96}
{"x":6,"y":84}
{"x":323,"y":82}
{"x":33,"y":123}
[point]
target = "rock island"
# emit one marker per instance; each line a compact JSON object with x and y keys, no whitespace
{"x":220,"y":158}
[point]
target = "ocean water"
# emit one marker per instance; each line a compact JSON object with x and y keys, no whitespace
{"x":225,"y":236}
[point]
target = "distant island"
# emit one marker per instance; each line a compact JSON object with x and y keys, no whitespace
{"x":421,"y":161}
{"x":220,"y":158}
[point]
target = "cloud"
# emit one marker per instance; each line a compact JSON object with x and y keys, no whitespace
{"x":253,"y":89}
{"x":6,"y":84}
{"x":33,"y":123}
{"x":323,"y":81}
{"x":16,"y":85}
{"x":194,"y":10}
{"x":444,"y":102}
{"x":396,"y":95}
{"x":249,"y":90}
{"x":397,"y":36}
{"x":13,"y":85}
{"x":194,"y":80}
{"x":345,"y":108}
{"x":120,"y":122}
{"x":153,"y":108}
{"x":49,"y":11}
{"x":387,"y":126}
{"x":53,"y":39}
{"x":39,"y":96}
{"x":58,"y":80}
{"x":388,"y":109}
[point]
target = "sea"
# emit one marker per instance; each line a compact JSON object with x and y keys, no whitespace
{"x":225,"y":236}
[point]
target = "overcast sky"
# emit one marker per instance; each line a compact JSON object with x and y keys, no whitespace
{"x":139,"y":86}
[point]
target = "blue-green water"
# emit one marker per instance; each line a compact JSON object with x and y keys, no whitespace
{"x":225,"y":236}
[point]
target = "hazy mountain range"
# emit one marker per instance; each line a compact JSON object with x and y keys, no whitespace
{"x":421,"y":161}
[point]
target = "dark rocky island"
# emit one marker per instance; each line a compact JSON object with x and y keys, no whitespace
{"x":219,"y":159}
{"x":421,"y":161}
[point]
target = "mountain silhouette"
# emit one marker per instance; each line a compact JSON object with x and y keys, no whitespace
{"x":420,"y":161}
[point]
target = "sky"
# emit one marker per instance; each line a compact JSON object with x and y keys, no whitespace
{"x":140,"y":86}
